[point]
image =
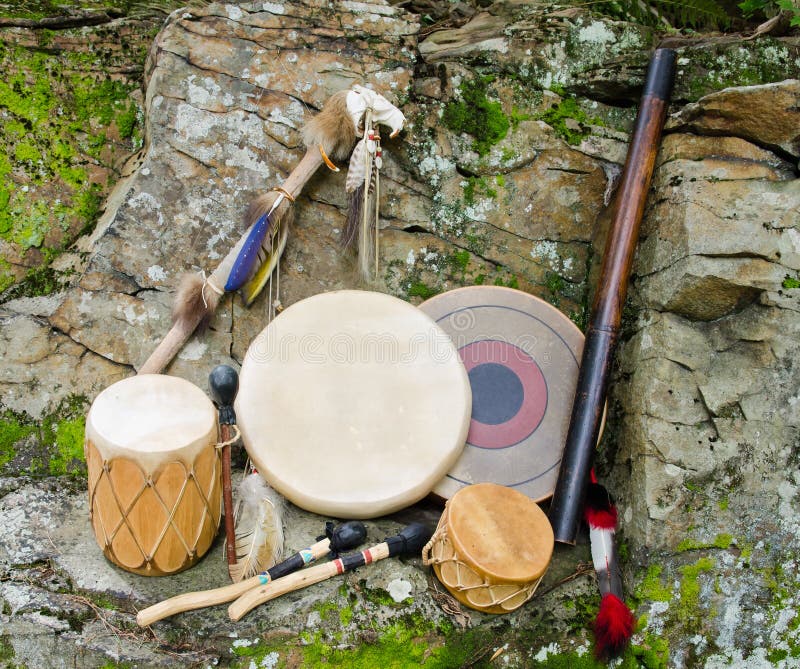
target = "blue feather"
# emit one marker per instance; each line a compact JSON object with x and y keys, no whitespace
{"x":245,"y":263}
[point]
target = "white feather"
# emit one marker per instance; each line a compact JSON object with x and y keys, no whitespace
{"x":357,"y":172}
{"x":602,"y":543}
{"x":259,"y":528}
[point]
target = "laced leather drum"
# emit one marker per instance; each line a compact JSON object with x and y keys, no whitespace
{"x":154,"y":473}
{"x":353,"y":404}
{"x":491,"y":548}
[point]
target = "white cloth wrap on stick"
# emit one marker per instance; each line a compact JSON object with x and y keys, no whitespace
{"x":359,"y":99}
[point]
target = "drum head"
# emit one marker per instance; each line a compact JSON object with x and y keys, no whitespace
{"x":522,"y":356}
{"x":152,"y":419}
{"x":353,"y":404}
{"x":500,"y":533}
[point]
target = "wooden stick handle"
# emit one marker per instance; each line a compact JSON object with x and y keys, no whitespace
{"x":196,"y":600}
{"x":172,"y":342}
{"x":227,"y":496}
{"x":303,"y":579}
{"x":408,"y":542}
{"x":604,"y":321}
{"x":338,"y":538}
{"x":223,"y":383}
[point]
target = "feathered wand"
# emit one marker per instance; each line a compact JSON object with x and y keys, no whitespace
{"x":363,"y":176}
{"x":614,"y":624}
{"x":251,"y":262}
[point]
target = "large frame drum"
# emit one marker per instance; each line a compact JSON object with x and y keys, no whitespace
{"x":154,"y":473}
{"x":353,"y":404}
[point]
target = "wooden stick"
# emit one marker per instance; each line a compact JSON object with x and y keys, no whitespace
{"x":224,"y":384}
{"x":343,"y":537}
{"x":409,"y":541}
{"x":606,"y":313}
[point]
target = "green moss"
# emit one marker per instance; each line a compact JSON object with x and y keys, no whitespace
{"x":381,"y":597}
{"x":419,"y":289}
{"x":6,"y":650}
{"x":777,"y":655}
{"x":790,"y":282}
{"x":509,"y":282}
{"x":12,"y":431}
{"x":721,"y":541}
{"x":345,"y":616}
{"x":690,"y":586}
{"x":409,"y":643}
{"x":476,"y":115}
{"x":62,"y":435}
{"x":480,"y":185}
{"x":127,"y":120}
{"x":651,"y":588}
{"x":761,"y":61}
{"x":412,"y":641}
{"x":58,"y":115}
{"x":569,"y":121}
{"x":58,"y":438}
{"x":68,"y":446}
{"x":652,"y":653}
{"x":461,"y":259}
{"x":38,"y":281}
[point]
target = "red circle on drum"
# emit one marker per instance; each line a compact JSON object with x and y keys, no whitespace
{"x":531,"y":409}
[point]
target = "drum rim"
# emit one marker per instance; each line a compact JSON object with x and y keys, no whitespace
{"x":103,"y":441}
{"x":510,"y":291}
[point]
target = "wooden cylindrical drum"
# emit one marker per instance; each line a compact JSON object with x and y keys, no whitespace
{"x":491,"y":548}
{"x":154,"y":473}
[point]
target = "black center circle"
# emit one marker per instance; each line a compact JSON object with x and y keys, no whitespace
{"x":497,"y":393}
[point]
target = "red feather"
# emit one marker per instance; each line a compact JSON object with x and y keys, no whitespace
{"x":613,"y":627}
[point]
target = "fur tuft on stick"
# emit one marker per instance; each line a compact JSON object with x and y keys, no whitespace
{"x":195,"y":301}
{"x":613,"y":627}
{"x":332,"y":128}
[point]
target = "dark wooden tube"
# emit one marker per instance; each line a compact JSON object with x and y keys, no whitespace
{"x":604,"y":321}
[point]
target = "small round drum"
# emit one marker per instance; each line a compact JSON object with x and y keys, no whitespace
{"x":154,"y":473}
{"x":491,"y":548}
{"x":353,"y":404}
{"x":522,"y":356}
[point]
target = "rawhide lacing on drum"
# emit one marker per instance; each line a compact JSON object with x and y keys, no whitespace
{"x":116,"y":526}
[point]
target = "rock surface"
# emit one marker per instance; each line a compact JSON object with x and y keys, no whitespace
{"x":701,"y":445}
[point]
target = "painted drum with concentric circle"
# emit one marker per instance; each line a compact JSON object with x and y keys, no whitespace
{"x":522,"y":357}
